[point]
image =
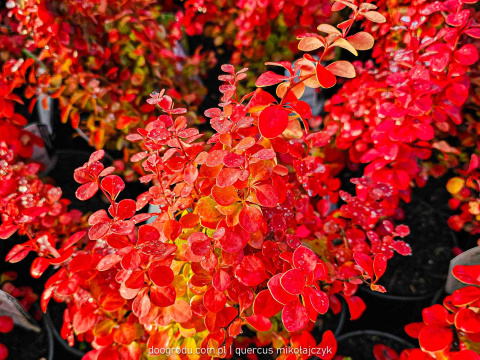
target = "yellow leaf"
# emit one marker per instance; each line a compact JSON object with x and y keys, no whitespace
{"x":455,"y":185}
{"x":341,"y":42}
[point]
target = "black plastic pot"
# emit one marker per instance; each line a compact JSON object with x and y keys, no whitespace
{"x":322,"y":325}
{"x":359,"y":344}
{"x":35,"y":346}
{"x":56,"y":334}
{"x":51,"y":346}
{"x":439,"y":296}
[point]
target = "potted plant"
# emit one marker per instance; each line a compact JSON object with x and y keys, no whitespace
{"x":18,"y":327}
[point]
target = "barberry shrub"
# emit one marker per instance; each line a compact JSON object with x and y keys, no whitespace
{"x":244,"y":234}
{"x":102,"y":73}
{"x":402,"y":119}
{"x":25,"y":296}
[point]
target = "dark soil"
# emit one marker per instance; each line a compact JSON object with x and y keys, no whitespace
{"x":431,"y":240}
{"x":25,"y":344}
{"x":360,"y":347}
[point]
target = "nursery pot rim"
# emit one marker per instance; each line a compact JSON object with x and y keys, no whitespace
{"x":60,"y":340}
{"x":401,"y":298}
{"x":341,"y":320}
{"x":48,"y":330}
{"x":404,"y":342}
{"x":438,"y":296}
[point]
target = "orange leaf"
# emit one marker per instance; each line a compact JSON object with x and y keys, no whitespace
{"x":342,"y":68}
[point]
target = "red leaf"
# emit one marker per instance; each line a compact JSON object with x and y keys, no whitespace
{"x":457,"y":94}
{"x":126,"y":209}
{"x":141,"y":305}
{"x":435,"y":338}
{"x":259,"y":322}
{"x":233,"y":160}
{"x":269,"y":78}
{"x":214,"y":300}
{"x":402,"y":230}
{"x":325,"y":78}
{"x":328,"y":342}
{"x":228,"y":177}
{"x":356,"y":306}
{"x":251,"y":271}
{"x":374,"y":16}
{"x":108,"y":261}
{"x":112,"y":184}
{"x":467,"y":320}
{"x":365,"y":263}
{"x":108,"y":353}
{"x":266,"y":305}
{"x":250,"y":218}
{"x":39,"y":265}
{"x":17,"y":253}
{"x":468,"y":274}
{"x":62,"y":258}
{"x":96,"y":156}
{"x":228,"y":68}
{"x":305,"y":259}
{"x":97,"y":231}
{"x":97,"y":217}
{"x":379,"y":265}
{"x":272,"y":121}
{"x":232,"y":242}
{"x":122,"y":227}
{"x":267,"y":195}
{"x":402,"y":248}
{"x":435,"y":315}
{"x":7,"y":230}
{"x":84,"y":320}
{"x":162,"y":296}
{"x":3,"y":352}
{"x":225,"y":196}
{"x":190,"y":174}
{"x":318,"y":299}
{"x":172,"y":229}
{"x":181,"y":311}
{"x":6,"y":324}
{"x":382,"y":352}
{"x":278,"y":292}
{"x":221,"y":280}
{"x":465,"y":295}
{"x":302,"y":108}
{"x":293,"y":281}
{"x":466,"y":55}
{"x":259,"y":101}
{"x":86,"y":191}
{"x":72,"y":240}
{"x":147,"y":233}
{"x":295,"y":316}
{"x":131,"y":261}
{"x":465,"y":354}
{"x":413,"y":329}
{"x":161,"y":275}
